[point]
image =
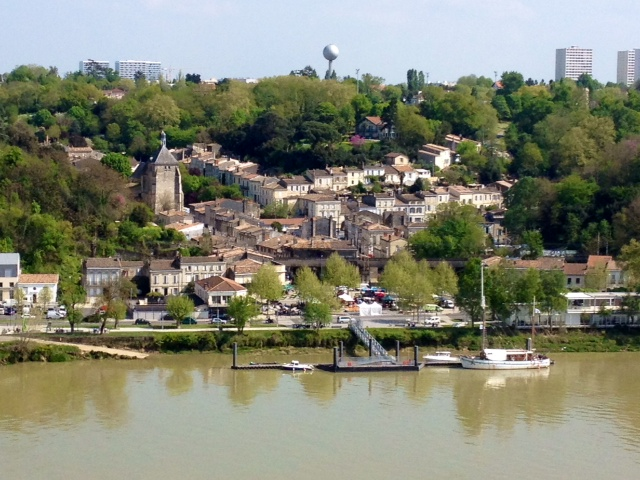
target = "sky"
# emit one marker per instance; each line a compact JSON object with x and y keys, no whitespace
{"x":263,"y":38}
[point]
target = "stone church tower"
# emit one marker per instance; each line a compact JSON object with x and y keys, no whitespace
{"x":160,"y":181}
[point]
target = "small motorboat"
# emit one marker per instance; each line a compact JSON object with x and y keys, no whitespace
{"x":441,"y":358}
{"x":295,"y":365}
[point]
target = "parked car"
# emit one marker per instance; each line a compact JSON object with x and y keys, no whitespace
{"x":62,"y":311}
{"x":431,"y":322}
{"x":10,"y":310}
{"x":343,"y":319}
{"x":446,"y":303}
{"x":141,"y":321}
{"x":218,"y":321}
{"x":189,"y":321}
{"x":52,"y":314}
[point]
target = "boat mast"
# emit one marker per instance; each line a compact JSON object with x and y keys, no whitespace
{"x":483,"y":306}
{"x":533,"y":322}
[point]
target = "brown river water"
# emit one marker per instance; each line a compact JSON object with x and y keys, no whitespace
{"x":192,"y":417}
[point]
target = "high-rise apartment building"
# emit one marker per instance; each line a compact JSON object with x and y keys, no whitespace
{"x":628,"y":68}
{"x":573,"y":62}
{"x":91,"y":67}
{"x":129,"y":68}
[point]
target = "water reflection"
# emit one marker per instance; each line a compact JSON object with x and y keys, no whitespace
{"x":34,"y":395}
{"x":500,"y":400}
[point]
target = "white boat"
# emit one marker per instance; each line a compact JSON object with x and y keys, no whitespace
{"x":506,"y":359}
{"x":441,"y":358}
{"x":295,"y":365}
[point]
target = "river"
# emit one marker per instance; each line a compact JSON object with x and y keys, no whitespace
{"x":191,"y":417}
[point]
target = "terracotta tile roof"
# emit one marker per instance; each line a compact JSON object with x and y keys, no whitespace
{"x":544,"y":263}
{"x":595,"y":261}
{"x":246,"y":266}
{"x":575,"y":268}
{"x":393,"y":155}
{"x":220,"y":284}
{"x":278,"y":242}
{"x":376,"y":226}
{"x":404,"y":168}
{"x":320,"y":243}
{"x":375,"y":120}
{"x":27,"y":278}
{"x":131,"y":263}
{"x":317,"y":197}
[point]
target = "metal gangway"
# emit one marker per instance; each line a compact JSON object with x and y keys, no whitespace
{"x":365,"y":337}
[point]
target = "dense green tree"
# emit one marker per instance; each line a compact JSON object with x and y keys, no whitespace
{"x":118,"y":162}
{"x":339,"y":272}
{"x":180,"y":307}
{"x":242,"y":309}
{"x":266,"y":284}
{"x":455,"y":232}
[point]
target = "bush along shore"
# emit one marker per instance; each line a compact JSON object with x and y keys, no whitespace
{"x":458,"y":339}
{"x":24,"y":351}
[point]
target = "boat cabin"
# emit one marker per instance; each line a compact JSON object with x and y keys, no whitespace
{"x":502,"y":355}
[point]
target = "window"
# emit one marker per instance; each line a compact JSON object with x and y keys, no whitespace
{"x":1,"y":284}
{"x":166,"y":280}
{"x":175,"y":279}
{"x":11,"y":284}
{"x":577,"y":281}
{"x":155,"y":279}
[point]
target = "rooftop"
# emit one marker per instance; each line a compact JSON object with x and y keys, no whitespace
{"x":220,"y":284}
{"x":40,"y":278}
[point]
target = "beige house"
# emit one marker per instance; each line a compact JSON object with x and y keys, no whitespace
{"x":245,"y":270}
{"x":390,"y":245}
{"x":394,"y":159}
{"x":461,"y":195}
{"x":354,"y":176}
{"x":9,"y":275}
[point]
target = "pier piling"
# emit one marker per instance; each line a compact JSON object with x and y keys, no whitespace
{"x":371,"y":347}
{"x":335,"y":357}
{"x":235,"y":354}
{"x":415,"y":354}
{"x":398,"y":351}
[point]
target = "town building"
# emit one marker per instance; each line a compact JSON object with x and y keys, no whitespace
{"x":572,"y":62}
{"x":628,"y":71}
{"x":9,"y":275}
{"x":99,"y":273}
{"x":374,"y":128}
{"x":94,"y":67}
{"x":160,"y":181}
{"x":435,"y":155}
{"x":129,"y":69}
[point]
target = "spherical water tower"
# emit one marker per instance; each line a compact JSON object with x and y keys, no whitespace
{"x":330,"y":52}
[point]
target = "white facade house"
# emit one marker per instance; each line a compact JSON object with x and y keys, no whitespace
{"x":129,"y":68}
{"x":435,"y":155}
{"x":572,"y":62}
{"x":218,"y":291}
{"x":32,"y":286}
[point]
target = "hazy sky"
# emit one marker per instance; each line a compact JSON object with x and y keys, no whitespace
{"x":261,"y":38}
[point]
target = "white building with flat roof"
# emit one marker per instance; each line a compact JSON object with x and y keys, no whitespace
{"x":573,"y":61}
{"x":129,"y":68}
{"x":627,"y":67}
{"x":91,"y":67}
